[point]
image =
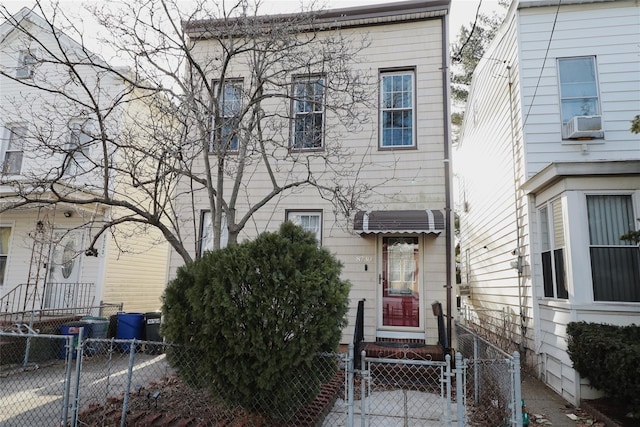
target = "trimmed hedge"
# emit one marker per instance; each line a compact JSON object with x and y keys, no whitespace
{"x":251,"y":318}
{"x":609,"y":357}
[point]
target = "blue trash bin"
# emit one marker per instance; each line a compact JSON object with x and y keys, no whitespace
{"x":130,"y":325}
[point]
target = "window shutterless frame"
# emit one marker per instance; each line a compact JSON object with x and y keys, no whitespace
{"x":397,"y":111}
{"x":307,"y":113}
{"x":310,"y":220}
{"x":26,"y":62}
{"x":14,"y":149}
{"x":5,"y":241}
{"x":226,"y":126}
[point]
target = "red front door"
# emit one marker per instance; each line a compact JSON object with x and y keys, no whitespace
{"x":400,"y":284}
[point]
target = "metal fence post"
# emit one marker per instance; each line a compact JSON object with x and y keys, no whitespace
{"x":27,"y":348}
{"x":363,"y":391}
{"x":350,"y":386}
{"x":459,"y":393}
{"x":476,"y":374}
{"x":76,"y":392}
{"x":125,"y":403}
{"x":517,"y":389}
{"x":68,"y":347}
{"x":447,"y":381}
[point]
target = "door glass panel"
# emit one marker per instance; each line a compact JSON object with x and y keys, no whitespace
{"x":400,"y":287}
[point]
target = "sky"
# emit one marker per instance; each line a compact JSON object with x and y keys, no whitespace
{"x":462,"y":11}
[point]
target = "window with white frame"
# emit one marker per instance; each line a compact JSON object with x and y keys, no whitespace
{"x":308,"y":220}
{"x":5,"y":238}
{"x":308,"y":113}
{"x":552,"y":250}
{"x":397,"y":111}
{"x":26,"y":62}
{"x":14,"y":150}
{"x":578,"y":87}
{"x":206,"y":232}
{"x":79,"y":147}
{"x":226,"y":117}
{"x":615,"y":263}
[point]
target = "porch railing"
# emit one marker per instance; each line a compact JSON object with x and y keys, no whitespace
{"x":51,"y":296}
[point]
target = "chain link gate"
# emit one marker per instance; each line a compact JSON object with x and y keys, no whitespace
{"x":408,"y":392}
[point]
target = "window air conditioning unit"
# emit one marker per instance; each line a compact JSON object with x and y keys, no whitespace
{"x":584,"y":127}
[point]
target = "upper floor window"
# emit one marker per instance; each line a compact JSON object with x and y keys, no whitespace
{"x":26,"y":61}
{"x":397,"y":111}
{"x":552,"y":251}
{"x":615,"y":263}
{"x":579,"y":99}
{"x":206,"y":232}
{"x":79,"y":147}
{"x":5,"y":237}
{"x":308,"y":113}
{"x":309,"y":221}
{"x":226,"y":117}
{"x":14,"y":149}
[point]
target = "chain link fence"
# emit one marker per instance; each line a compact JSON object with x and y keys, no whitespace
{"x":56,"y":380}
{"x":492,"y":383}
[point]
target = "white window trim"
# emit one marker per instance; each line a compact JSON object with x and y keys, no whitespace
{"x":7,"y":254}
{"x":295,"y":115}
{"x":26,"y":62}
{"x":381,"y":110}
{"x":220,"y":93}
{"x":205,"y":242}
{"x":5,"y":146}
{"x":552,"y":247}
{"x":291,"y":215}
{"x":79,"y":159}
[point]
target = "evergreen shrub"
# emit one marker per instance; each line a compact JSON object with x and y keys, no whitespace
{"x":249,"y":321}
{"x":609,"y":357}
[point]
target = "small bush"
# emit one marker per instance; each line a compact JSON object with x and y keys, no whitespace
{"x":609,"y":357}
{"x":256,"y":315}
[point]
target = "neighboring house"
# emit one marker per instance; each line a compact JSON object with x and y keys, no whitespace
{"x":550,"y":179}
{"x":43,"y":263}
{"x":397,"y":250}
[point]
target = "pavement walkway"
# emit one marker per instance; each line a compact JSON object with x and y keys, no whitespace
{"x":547,"y":408}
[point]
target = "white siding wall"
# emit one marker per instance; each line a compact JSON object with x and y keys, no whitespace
{"x":408,"y":179}
{"x":609,"y":31}
{"x":490,"y":164}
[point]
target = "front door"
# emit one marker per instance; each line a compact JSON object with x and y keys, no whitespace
{"x":64,"y":270}
{"x":401,"y":299}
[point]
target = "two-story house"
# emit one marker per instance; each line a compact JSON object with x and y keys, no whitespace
{"x":395,"y":243}
{"x":52,"y":147}
{"x":550,"y":179}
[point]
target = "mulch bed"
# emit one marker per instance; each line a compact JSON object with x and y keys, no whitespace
{"x":170,"y":403}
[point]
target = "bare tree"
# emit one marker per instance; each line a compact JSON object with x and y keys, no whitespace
{"x":203,"y":122}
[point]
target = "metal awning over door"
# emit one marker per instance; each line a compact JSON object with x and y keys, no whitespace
{"x":405,"y":221}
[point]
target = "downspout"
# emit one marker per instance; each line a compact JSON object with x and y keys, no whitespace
{"x":518,"y":251}
{"x":447,"y":166}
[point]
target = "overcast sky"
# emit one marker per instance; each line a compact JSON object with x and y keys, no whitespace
{"x":462,"y":11}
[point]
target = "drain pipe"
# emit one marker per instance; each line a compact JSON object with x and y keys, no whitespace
{"x":447,"y":166}
{"x":517,"y":251}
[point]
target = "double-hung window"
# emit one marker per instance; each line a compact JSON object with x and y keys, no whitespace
{"x":578,"y":87}
{"x":26,"y":62}
{"x":615,"y":263}
{"x":5,"y":237}
{"x":308,"y":220}
{"x":79,"y":147}
{"x":14,"y":149}
{"x":226,"y":116}
{"x":552,"y":250}
{"x":397,"y":109}
{"x":308,"y":113}
{"x":206,"y":232}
